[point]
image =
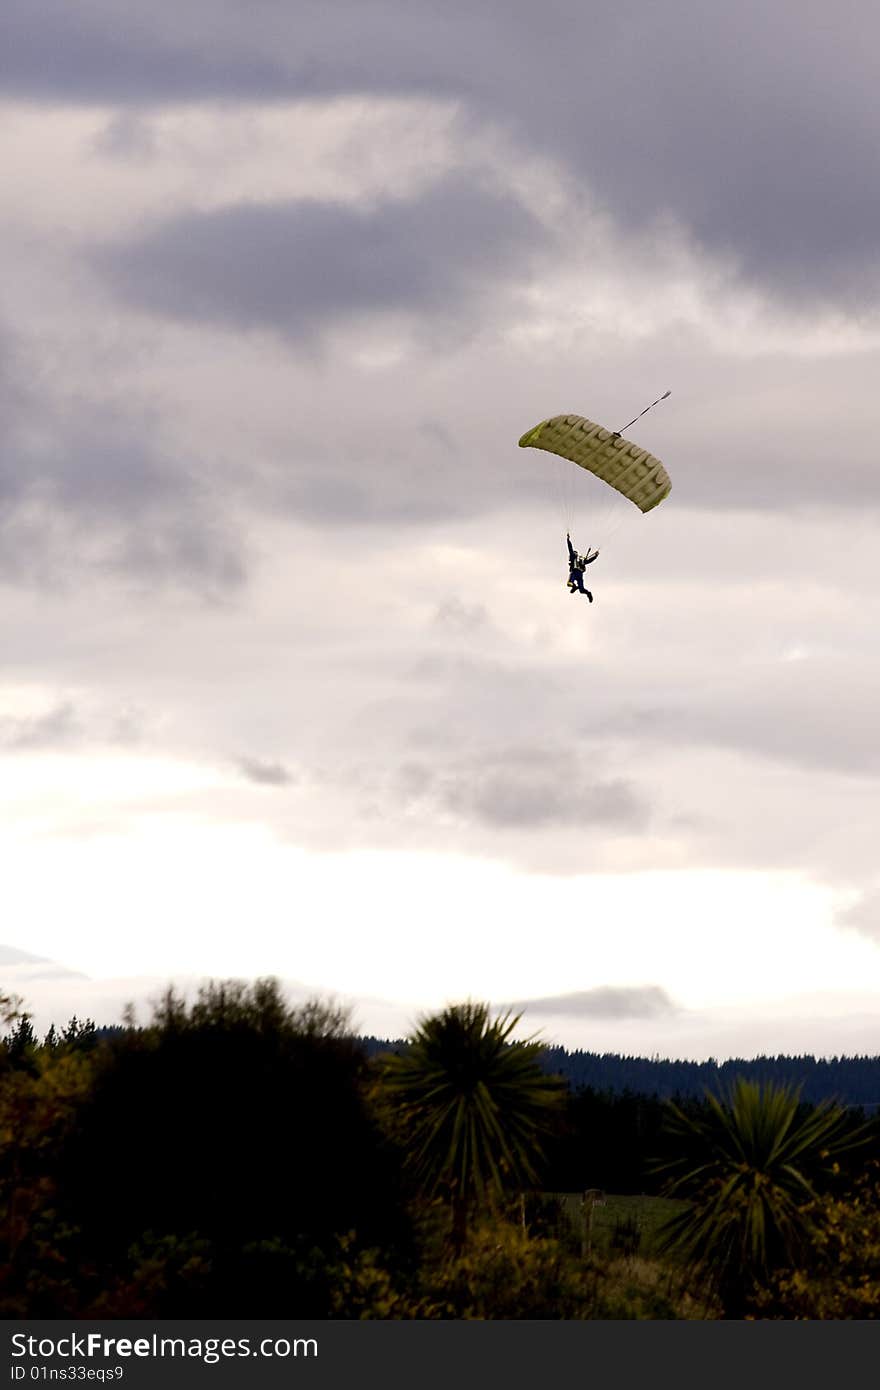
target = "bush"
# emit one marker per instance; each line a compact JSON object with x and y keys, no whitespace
{"x":505,"y":1273}
{"x":842,"y":1279}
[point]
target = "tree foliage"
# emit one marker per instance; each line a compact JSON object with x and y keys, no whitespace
{"x":840,"y":1279}
{"x":202,"y":1165}
{"x":472,"y":1106}
{"x":237,"y":1118}
{"x":748,"y":1164}
{"x":237,"y":1156}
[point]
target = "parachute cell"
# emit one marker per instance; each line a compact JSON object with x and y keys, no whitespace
{"x":624,"y":466}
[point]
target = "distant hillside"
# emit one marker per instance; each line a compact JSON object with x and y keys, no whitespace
{"x":850,"y":1080}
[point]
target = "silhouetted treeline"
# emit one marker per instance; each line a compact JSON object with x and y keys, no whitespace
{"x":850,"y":1080}
{"x":237,"y":1156}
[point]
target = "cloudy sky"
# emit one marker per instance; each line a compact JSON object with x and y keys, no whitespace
{"x":291,"y":683}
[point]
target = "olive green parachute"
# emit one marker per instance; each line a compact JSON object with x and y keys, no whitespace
{"x":630,"y":470}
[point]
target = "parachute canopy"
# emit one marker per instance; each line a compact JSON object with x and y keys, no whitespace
{"x":630,"y":470}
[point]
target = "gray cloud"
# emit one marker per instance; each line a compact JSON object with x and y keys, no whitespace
{"x":128,"y":136}
{"x":437,"y":433}
{"x":371,"y":476}
{"x":301,"y":266}
{"x":456,"y":615}
{"x":264,"y":773}
{"x":57,"y":728}
{"x":447,"y":261}
{"x":76,"y":54}
{"x":771,"y":432}
{"x":607,"y":1002}
{"x":797,"y":714}
{"x":20,"y":968}
{"x":754,"y":127}
{"x":65,"y":726}
{"x":863,"y":916}
{"x":11,"y":955}
{"x":516,"y":788}
{"x":85,"y":483}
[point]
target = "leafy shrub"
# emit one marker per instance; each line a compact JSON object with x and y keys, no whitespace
{"x":505,"y":1273}
{"x":842,"y":1278}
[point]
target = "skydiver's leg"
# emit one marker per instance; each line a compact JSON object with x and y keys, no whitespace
{"x":588,"y":594}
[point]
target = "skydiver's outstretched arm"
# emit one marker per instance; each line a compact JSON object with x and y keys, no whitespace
{"x":588,"y":559}
{"x":572,"y":553}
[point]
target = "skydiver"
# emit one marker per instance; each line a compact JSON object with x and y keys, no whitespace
{"x":576,"y":566}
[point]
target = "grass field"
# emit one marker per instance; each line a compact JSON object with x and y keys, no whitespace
{"x":627,"y":1223}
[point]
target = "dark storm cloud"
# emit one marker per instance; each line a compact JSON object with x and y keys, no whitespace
{"x":752,"y":125}
{"x":92,"y":51}
{"x":608,"y":1001}
{"x":265,"y":774}
{"x":298,"y":267}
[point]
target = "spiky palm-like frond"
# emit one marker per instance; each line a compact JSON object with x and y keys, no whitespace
{"x":475,"y":1107}
{"x":748,"y":1163}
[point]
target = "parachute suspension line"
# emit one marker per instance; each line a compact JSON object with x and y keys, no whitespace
{"x":605,"y":519}
{"x":565,"y":490}
{"x":558,"y":490}
{"x":644,"y":412}
{"x":618,"y":517}
{"x":594,"y":513}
